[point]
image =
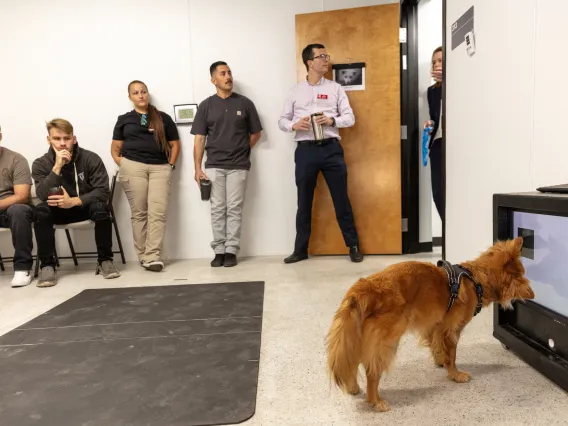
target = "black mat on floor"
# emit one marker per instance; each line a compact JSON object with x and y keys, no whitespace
{"x":145,"y":356}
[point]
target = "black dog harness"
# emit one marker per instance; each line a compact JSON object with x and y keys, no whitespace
{"x":455,"y":273}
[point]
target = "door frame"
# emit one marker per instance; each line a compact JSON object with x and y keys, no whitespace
{"x":411,"y":131}
{"x":444,"y":119}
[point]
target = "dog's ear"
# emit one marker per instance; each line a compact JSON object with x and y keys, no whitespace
{"x":513,"y":249}
{"x":513,"y":264}
{"x":518,"y":244}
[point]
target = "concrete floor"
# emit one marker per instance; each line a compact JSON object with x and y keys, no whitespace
{"x":293,"y":389}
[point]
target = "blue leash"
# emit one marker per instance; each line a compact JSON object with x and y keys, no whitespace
{"x":425,"y":138}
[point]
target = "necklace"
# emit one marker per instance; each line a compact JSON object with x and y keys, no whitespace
{"x":143,"y":119}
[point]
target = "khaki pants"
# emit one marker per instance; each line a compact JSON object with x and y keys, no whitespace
{"x":147,"y":187}
{"x":227,"y":199}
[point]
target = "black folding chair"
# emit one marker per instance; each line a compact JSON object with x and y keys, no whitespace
{"x":85,"y":223}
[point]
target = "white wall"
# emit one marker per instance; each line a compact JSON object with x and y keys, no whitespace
{"x":430,"y":28}
{"x":74,"y":60}
{"x":549,"y":149}
{"x":504,"y":126}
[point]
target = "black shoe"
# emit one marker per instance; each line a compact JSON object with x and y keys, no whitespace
{"x":230,"y":260}
{"x":296,"y":257}
{"x":218,"y":261}
{"x":355,"y":254}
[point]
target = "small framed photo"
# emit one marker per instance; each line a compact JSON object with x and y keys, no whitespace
{"x":350,"y":76}
{"x":185,"y":114}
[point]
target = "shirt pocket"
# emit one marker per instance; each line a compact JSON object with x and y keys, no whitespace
{"x":240,"y":118}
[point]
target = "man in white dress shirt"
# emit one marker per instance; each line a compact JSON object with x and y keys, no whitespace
{"x":319,"y":95}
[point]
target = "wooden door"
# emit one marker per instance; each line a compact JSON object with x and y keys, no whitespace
{"x":372,"y":145}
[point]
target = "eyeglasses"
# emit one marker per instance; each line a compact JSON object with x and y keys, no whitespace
{"x":322,"y":56}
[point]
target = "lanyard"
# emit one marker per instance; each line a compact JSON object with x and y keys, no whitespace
{"x":76,"y":179}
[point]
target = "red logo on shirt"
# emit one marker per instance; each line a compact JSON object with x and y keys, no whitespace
{"x":320,"y":96}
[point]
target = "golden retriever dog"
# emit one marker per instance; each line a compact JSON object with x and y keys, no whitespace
{"x":413,"y":297}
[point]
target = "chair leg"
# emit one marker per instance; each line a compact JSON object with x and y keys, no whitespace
{"x":71,"y":247}
{"x":36,"y":272}
{"x":2,"y":264}
{"x":118,"y":241}
{"x":56,"y":257}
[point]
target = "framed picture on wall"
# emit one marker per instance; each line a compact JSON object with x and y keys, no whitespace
{"x":185,"y":113}
{"x":350,"y":76}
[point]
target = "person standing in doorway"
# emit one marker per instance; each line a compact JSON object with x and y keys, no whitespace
{"x":227,"y":127}
{"x":319,"y":95}
{"x":145,"y":147}
{"x":436,"y":138}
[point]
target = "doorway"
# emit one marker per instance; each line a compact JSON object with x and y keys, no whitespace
{"x":425,"y":23}
{"x":365,"y":37}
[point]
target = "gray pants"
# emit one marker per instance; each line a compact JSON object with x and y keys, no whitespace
{"x":228,"y":189}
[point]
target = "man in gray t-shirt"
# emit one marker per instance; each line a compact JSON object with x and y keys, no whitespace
{"x":16,"y":211}
{"x":227,"y":127}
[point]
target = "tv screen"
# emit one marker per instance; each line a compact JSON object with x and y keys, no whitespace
{"x":545,"y":257}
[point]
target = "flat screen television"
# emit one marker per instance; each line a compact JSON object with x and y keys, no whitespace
{"x":537,"y":330}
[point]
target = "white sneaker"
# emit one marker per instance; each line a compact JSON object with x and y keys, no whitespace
{"x":21,"y":279}
{"x":155,"y":266}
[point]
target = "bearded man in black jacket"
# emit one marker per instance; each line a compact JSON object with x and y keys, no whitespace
{"x":73,"y":185}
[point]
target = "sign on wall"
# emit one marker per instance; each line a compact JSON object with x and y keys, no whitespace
{"x":461,"y":27}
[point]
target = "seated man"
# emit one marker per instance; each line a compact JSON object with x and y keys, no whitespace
{"x":82,"y":180}
{"x":16,"y":211}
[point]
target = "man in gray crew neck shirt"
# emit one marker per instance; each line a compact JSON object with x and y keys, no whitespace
{"x":16,"y":211}
{"x":227,"y":127}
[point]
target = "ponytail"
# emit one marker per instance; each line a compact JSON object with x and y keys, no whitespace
{"x":156,"y":123}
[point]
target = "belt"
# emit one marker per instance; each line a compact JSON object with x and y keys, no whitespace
{"x":322,"y":142}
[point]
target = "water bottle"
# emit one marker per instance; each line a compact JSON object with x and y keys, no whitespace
{"x":317,"y":128}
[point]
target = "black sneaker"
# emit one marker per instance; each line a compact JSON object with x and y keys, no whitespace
{"x":230,"y":260}
{"x":355,"y":255}
{"x":218,"y":261}
{"x":296,"y":257}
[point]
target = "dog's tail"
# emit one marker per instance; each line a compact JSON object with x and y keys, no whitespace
{"x":344,"y":343}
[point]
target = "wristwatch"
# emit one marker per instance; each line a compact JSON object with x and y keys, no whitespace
{"x":173,"y":166}
{"x":332,"y":122}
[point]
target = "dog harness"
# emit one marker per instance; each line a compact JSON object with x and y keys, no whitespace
{"x":455,"y":273}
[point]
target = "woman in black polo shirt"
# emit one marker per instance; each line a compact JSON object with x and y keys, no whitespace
{"x":146,"y":146}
